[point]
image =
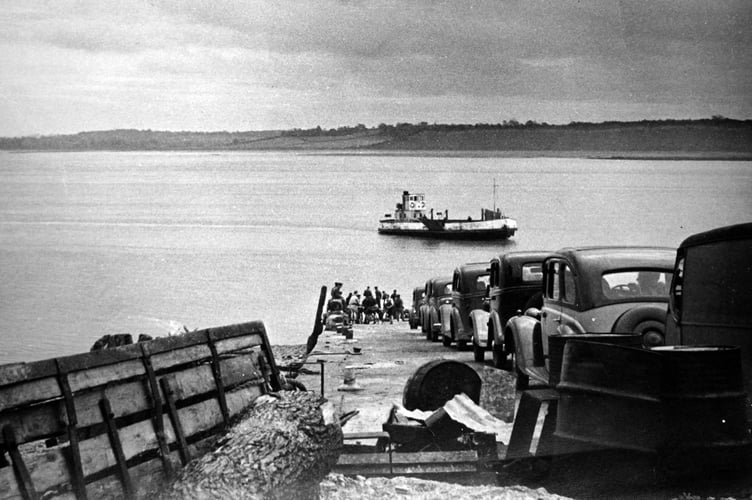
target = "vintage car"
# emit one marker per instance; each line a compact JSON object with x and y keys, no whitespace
{"x":438,"y":290}
{"x":469,"y":291}
{"x":593,"y":290}
{"x":515,"y":286}
{"x":419,"y":294}
{"x":711,"y":293}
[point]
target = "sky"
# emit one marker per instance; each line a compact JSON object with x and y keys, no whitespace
{"x":71,"y":66}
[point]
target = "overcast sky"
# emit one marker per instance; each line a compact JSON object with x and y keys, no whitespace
{"x":70,"y":66}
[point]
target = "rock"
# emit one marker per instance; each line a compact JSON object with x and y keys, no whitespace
{"x":279,"y":448}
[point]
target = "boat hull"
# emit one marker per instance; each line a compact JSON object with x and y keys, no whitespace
{"x":459,"y":230}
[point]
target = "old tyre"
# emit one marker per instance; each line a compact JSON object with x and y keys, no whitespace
{"x":479,"y":353}
{"x":438,"y":381}
{"x":647,"y":320}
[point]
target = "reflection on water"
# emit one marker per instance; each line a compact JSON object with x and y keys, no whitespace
{"x":95,"y":243}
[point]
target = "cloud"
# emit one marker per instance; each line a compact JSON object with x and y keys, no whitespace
{"x":328,"y":60}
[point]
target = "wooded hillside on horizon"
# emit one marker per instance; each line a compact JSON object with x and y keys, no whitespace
{"x":712,"y":135}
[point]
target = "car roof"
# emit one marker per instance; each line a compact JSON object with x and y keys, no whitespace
{"x":473,"y":268}
{"x":442,"y":280}
{"x":601,"y":258}
{"x":737,"y":231}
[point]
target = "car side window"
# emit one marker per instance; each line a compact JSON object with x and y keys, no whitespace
{"x":494,"y":274}
{"x":552,"y":286}
{"x":481,"y":282}
{"x":532,"y":271}
{"x":568,"y":290}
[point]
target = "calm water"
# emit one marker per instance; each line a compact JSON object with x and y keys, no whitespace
{"x":96,"y":243}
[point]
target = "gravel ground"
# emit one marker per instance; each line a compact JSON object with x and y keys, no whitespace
{"x":339,"y":487}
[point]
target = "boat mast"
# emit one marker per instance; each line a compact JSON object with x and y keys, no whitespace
{"x":494,"y":194}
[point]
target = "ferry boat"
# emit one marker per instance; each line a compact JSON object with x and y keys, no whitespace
{"x":411,"y":218}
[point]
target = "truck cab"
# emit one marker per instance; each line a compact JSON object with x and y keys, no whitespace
{"x":710,"y":294}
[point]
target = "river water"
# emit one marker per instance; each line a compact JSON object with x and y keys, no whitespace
{"x":152,"y":242}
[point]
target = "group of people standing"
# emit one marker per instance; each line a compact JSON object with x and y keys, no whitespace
{"x":372,"y":305}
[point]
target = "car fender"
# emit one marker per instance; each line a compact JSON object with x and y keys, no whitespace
{"x":648,"y":320}
{"x":434,"y":320}
{"x":496,"y":328}
{"x":460,"y":333}
{"x":522,"y":330}
{"x":445,"y":316}
{"x":479,"y":324}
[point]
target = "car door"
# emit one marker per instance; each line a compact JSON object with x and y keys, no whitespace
{"x":569,"y":315}
{"x":551,"y":312}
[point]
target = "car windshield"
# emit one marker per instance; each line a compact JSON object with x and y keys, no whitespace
{"x":644,"y":283}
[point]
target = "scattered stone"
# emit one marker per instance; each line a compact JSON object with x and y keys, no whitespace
{"x":279,"y":448}
{"x":338,"y":487}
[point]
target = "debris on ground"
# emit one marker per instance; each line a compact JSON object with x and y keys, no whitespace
{"x":339,"y":487}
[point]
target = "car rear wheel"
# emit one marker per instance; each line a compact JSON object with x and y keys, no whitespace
{"x":479,"y":353}
{"x":647,"y":320}
{"x":446,"y":340}
{"x":522,"y":382}
{"x":499,"y":357}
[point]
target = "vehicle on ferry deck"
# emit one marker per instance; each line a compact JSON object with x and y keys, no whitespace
{"x":438,"y":291}
{"x":516,"y":282}
{"x":469,"y":292}
{"x":594,"y":290}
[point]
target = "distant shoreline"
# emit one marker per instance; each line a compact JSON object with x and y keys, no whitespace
{"x":585,"y":155}
{"x":705,"y":139}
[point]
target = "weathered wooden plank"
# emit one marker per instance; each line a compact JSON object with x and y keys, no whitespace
{"x":205,"y":415}
{"x":15,"y":395}
{"x":149,"y":474}
{"x":20,"y":372}
{"x":19,"y":466}
{"x":127,"y":398}
{"x":117,"y":447}
{"x":238,"y":343}
{"x":363,"y":458}
{"x":12,"y":373}
{"x":49,"y":468}
{"x":166,"y":360}
{"x":435,"y":456}
{"x":105,"y":374}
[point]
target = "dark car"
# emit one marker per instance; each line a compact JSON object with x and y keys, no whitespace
{"x":711,"y":294}
{"x":419,"y":295}
{"x":516,"y":285}
{"x":438,"y":290}
{"x":469,"y":291}
{"x":594,"y":290}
